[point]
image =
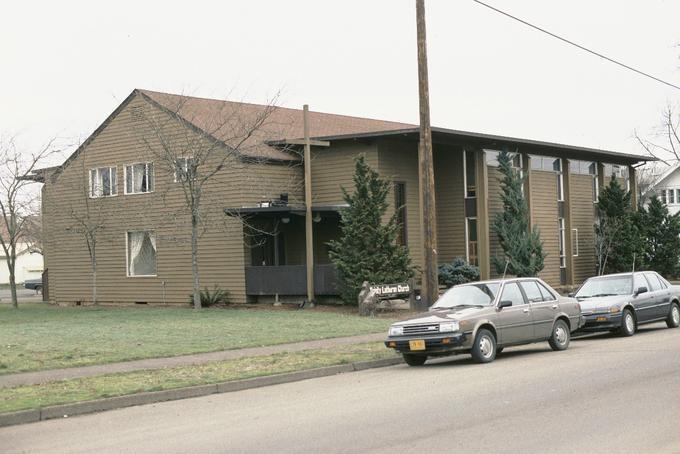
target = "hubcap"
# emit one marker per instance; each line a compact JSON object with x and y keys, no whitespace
{"x":630,"y":323}
{"x":485,"y":346}
{"x":561,"y":334}
{"x":676,"y":315}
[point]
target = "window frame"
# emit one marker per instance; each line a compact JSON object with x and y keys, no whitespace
{"x":467,"y":240}
{"x":127,"y":253}
{"x":562,"y":243}
{"x":186,"y":159}
{"x":150,"y":181}
{"x":113,"y":182}
{"x":466,"y":192}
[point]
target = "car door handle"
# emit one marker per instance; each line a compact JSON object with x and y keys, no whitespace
{"x":525,"y":310}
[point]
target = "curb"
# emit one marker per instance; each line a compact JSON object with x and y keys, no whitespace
{"x":112,"y":403}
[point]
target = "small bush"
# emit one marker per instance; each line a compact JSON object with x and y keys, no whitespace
{"x":457,"y":272}
{"x":218,"y":296}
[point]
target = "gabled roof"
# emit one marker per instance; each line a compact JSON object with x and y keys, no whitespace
{"x":283,"y":123}
{"x":666,"y":174}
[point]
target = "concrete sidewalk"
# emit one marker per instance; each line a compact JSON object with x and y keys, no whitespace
{"x":32,"y":378}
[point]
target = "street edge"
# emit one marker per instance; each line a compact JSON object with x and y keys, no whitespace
{"x":113,"y":403}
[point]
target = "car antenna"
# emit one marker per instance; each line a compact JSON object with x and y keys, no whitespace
{"x":507,"y":262}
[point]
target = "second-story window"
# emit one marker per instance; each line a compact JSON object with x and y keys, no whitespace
{"x":470,"y":174}
{"x":185,"y":169}
{"x":557,"y":167}
{"x":139,"y":178}
{"x":103,"y":182}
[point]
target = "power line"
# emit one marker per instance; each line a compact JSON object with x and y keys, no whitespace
{"x":642,"y":73}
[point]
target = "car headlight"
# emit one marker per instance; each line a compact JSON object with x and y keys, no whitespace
{"x":448,"y":327}
{"x":396,"y":330}
{"x":614,"y":309}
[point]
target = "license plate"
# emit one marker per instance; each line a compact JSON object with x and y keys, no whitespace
{"x":416,"y":344}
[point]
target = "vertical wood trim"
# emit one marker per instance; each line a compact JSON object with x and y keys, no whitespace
{"x":568,"y":249}
{"x":483,"y":216}
{"x":526,"y":168}
{"x":633,"y":187}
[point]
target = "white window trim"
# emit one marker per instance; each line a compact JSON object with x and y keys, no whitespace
{"x":114,"y":187}
{"x":465,"y":186}
{"x":574,"y":240}
{"x":562,"y":239}
{"x":125,"y":169}
{"x":127,"y":255}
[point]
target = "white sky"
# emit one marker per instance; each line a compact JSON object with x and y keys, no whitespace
{"x":66,"y":65}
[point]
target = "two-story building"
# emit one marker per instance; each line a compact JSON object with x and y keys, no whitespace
{"x":252,"y":240}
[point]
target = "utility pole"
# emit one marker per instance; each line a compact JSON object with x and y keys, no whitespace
{"x":428,"y":228}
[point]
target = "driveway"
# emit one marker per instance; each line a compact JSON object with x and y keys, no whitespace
{"x":22,"y":295}
{"x":604,"y":394}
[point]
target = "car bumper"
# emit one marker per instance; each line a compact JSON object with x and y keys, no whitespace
{"x":440,"y":344}
{"x":601,"y":322}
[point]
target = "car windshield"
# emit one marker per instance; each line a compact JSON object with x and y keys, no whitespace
{"x":482,"y":294}
{"x":606,"y":286}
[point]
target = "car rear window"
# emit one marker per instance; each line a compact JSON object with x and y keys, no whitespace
{"x":547,"y":294}
{"x":532,"y":291}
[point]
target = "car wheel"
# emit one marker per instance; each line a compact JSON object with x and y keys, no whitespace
{"x":560,"y":337}
{"x":627,"y":323}
{"x":415,"y":360}
{"x":484,"y":347}
{"x":673,"y":320}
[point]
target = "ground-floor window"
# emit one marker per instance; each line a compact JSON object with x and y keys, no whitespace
{"x":471,"y":241}
{"x":563,"y":259}
{"x":400,"y":206}
{"x":141,"y":253}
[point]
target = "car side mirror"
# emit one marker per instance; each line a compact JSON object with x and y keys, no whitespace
{"x":640,"y":290}
{"x":504,"y":303}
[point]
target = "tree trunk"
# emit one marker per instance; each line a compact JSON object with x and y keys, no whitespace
{"x":194,"y":260}
{"x":13,"y":286}
{"x":94,"y":281}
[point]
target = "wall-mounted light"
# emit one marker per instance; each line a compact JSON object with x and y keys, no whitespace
{"x":317,"y":218}
{"x":285,"y":220}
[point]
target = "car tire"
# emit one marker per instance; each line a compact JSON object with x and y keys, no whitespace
{"x":673,"y":319}
{"x":560,"y":337}
{"x":484,"y":347}
{"x":627,"y":323}
{"x":414,"y":360}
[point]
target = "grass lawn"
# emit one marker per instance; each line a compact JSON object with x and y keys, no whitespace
{"x":39,"y":337}
{"x":77,"y":390}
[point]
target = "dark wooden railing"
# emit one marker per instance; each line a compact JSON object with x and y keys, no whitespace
{"x":289,"y":280}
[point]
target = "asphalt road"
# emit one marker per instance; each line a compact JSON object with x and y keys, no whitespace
{"x":604,"y":394}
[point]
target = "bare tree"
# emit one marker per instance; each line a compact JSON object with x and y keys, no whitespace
{"x":88,"y":220}
{"x":664,"y":140}
{"x":18,"y":198}
{"x":196,"y":156}
{"x":33,"y":232}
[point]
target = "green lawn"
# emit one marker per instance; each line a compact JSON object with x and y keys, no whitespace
{"x":78,"y":390}
{"x":39,"y":337}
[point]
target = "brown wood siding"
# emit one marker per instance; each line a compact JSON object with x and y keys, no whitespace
{"x":333,"y":168}
{"x":221,"y":246}
{"x":398,"y":161}
{"x":583,"y":219}
{"x":450,"y":200}
{"x":544,"y":204}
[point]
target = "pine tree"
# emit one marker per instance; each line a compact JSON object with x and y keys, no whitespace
{"x":522,"y":247}
{"x":618,"y":240}
{"x":661,"y":231}
{"x":367,"y":248}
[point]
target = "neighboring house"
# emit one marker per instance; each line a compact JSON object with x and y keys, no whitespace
{"x":667,"y":188}
{"x":29,"y":265}
{"x":254,"y":244}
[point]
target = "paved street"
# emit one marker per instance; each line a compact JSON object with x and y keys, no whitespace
{"x":605,"y":394}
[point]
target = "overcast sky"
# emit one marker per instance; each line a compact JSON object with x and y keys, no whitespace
{"x":66,"y":65}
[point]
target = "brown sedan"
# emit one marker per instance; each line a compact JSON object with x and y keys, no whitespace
{"x":482,"y":318}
